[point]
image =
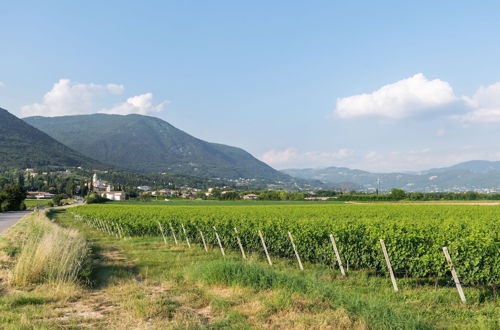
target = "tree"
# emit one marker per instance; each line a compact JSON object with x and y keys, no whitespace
{"x":12,"y":198}
{"x":398,"y":194}
{"x":57,"y":199}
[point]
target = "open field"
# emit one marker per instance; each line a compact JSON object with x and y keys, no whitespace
{"x":141,"y":283}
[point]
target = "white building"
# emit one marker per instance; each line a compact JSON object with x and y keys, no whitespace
{"x":115,"y":195}
{"x":106,"y":190}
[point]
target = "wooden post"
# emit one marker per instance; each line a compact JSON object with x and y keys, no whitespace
{"x":337,"y":255}
{"x":185,"y":234}
{"x":162,"y":233}
{"x":220,"y":243}
{"x":239,"y":243}
{"x":173,"y":233}
{"x":203,"y":240}
{"x":295,"y":250}
{"x":265,"y":248}
{"x":389,"y":266}
{"x":454,"y":274}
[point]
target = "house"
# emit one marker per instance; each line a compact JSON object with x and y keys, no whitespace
{"x":115,"y":195}
{"x":251,"y":197}
{"x":144,"y":188}
{"x":39,"y":195}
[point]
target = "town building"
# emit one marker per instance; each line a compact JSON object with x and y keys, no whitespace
{"x":251,"y":197}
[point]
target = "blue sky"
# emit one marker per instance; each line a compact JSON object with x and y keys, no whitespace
{"x":383,"y":86}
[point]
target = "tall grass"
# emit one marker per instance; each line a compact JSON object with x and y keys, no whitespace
{"x":50,"y":253}
{"x":374,"y":311}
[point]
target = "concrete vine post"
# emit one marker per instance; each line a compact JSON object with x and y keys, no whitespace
{"x":220,"y":243}
{"x":173,"y":233}
{"x":389,"y":266}
{"x":162,"y":233}
{"x":295,"y":250}
{"x":337,"y":255}
{"x":185,"y":235}
{"x":203,"y":240}
{"x":239,"y":244}
{"x":265,"y":248}
{"x":454,"y":274}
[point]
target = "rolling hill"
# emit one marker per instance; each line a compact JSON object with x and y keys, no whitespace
{"x":151,"y":145}
{"x":23,"y":146}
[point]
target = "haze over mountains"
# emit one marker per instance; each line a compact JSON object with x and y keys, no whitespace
{"x":475,"y":175}
{"x":150,"y":145}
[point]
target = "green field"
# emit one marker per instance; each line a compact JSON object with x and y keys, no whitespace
{"x":32,"y":203}
{"x":414,"y":234}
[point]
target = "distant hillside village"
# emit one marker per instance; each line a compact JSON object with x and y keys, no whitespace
{"x":105,"y":189}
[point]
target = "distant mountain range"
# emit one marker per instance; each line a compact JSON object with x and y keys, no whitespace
{"x":150,"y":145}
{"x":23,"y":146}
{"x":476,"y":175}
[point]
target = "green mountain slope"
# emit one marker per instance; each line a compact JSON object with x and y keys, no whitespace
{"x":23,"y":146}
{"x":149,"y":145}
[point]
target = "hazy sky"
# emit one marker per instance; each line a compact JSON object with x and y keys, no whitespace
{"x":376,"y":85}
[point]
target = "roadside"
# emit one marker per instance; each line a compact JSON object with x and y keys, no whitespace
{"x":143,"y":283}
{"x":8,"y":219}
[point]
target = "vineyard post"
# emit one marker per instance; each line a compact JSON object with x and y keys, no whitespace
{"x":162,"y":233}
{"x":203,"y":240}
{"x":389,"y":266}
{"x":454,"y":274}
{"x":220,"y":243}
{"x":239,"y":243}
{"x":118,"y":227}
{"x":295,"y":250}
{"x":173,"y":233}
{"x":337,"y":255}
{"x":185,"y":234}
{"x":265,"y":248}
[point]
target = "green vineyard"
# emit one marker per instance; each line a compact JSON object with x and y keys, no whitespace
{"x":414,"y":234}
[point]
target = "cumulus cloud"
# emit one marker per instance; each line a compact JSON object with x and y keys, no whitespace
{"x":73,"y":98}
{"x":140,"y":104}
{"x":398,"y":100}
{"x":485,"y":104}
{"x":290,"y":157}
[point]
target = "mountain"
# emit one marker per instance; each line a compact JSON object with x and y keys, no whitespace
{"x":151,"y":145}
{"x":476,"y":166}
{"x":469,"y":176}
{"x":23,"y":146}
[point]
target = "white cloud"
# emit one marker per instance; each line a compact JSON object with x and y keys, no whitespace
{"x":290,"y":157}
{"x":73,"y":98}
{"x":486,"y":105}
{"x":398,"y":100}
{"x":2,"y":84}
{"x":140,"y":104}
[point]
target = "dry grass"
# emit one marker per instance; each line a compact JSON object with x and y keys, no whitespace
{"x":49,"y":253}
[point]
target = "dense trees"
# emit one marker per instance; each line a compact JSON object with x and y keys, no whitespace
{"x":12,"y":198}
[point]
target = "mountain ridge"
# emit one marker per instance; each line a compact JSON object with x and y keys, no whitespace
{"x":24,"y":146}
{"x":149,"y":144}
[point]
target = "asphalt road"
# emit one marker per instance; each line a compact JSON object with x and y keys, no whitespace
{"x":7,"y":219}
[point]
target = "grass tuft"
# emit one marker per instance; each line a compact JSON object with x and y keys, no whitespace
{"x":50,"y":253}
